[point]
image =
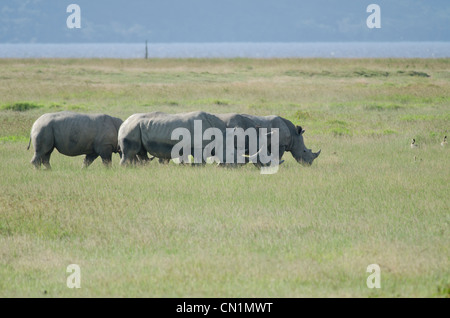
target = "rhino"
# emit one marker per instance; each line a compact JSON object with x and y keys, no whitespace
{"x":290,"y":136}
{"x":74,"y":134}
{"x":152,"y":133}
{"x":233,"y":121}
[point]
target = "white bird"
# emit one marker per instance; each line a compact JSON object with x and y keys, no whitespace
{"x":413,"y":144}
{"x":444,"y":142}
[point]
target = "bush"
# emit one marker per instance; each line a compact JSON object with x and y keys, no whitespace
{"x":21,"y":106}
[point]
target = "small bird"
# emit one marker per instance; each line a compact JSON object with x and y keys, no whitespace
{"x":413,"y":144}
{"x":444,"y":142}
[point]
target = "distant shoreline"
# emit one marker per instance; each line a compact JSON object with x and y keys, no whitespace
{"x":228,"y":50}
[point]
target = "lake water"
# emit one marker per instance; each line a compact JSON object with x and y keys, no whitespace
{"x":229,"y":50}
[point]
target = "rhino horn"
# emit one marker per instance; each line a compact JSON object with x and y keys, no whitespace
{"x":254,"y":155}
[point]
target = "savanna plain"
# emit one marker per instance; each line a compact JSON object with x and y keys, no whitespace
{"x":181,"y":231}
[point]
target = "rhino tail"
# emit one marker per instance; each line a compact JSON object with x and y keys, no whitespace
{"x":29,"y":143}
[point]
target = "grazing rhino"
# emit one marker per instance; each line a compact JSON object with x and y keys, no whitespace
{"x":232,"y":121}
{"x":290,"y":136}
{"x":152,"y":133}
{"x":74,"y":134}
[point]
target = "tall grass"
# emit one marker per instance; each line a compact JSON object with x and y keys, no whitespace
{"x":179,"y":231}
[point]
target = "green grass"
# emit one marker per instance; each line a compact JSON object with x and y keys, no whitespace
{"x":20,"y":106}
{"x":178,"y":231}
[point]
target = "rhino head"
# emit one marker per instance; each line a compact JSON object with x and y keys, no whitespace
{"x":298,"y":149}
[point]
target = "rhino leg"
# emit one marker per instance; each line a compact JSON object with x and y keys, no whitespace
{"x":281,"y":152}
{"x":163,"y":161}
{"x":107,"y":160}
{"x":105,"y":152}
{"x":134,"y":160}
{"x":143,"y":157}
{"x":89,"y":159}
{"x":41,"y":158}
{"x":130,"y":151}
{"x":36,"y":161}
{"x":43,"y":146}
{"x":46,"y":160}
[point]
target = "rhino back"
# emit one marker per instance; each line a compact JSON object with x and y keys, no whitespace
{"x":129,"y":126}
{"x":77,"y":134}
{"x":157,"y":129}
{"x":233,"y":120}
{"x":272,"y":121}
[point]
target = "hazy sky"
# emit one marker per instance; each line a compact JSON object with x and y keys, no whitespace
{"x":44,"y":21}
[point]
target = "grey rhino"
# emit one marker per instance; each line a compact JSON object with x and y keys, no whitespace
{"x":152,"y":133}
{"x":74,"y":134}
{"x":290,"y":136}
{"x":232,"y":121}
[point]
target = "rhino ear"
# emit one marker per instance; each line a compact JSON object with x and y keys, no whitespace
{"x":300,"y":130}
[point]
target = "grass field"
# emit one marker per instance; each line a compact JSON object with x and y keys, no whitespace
{"x":173,"y":231}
